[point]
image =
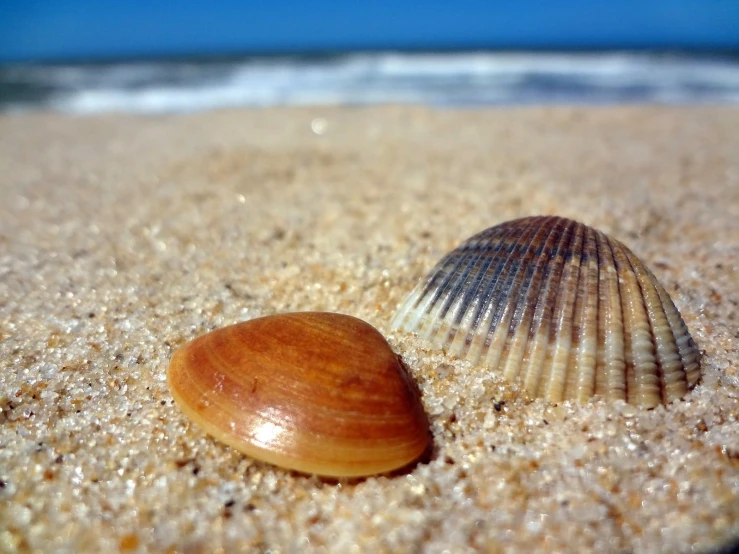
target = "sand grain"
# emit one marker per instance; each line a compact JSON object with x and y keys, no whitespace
{"x":122,"y":237}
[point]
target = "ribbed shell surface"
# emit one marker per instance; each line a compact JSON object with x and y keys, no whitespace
{"x":560,"y":307}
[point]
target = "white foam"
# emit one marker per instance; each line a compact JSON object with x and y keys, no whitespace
{"x":438,"y":79}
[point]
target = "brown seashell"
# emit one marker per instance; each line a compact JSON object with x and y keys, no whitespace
{"x":316,"y":392}
{"x":560,"y":307}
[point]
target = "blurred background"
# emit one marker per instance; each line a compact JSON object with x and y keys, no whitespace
{"x":170,"y":56}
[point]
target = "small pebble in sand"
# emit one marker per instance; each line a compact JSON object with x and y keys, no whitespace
{"x":562,"y":308}
{"x":316,"y":392}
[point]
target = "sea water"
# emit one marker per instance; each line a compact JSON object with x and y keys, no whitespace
{"x":438,"y":79}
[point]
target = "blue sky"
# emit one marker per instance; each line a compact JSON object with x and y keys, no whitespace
{"x":68,"y":29}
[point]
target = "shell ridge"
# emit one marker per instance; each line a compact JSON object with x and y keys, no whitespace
{"x":468,"y":256}
{"x":501,"y":281}
{"x":528,"y":287}
{"x":688,"y":351}
{"x":611,"y":329}
{"x":456,"y":303}
{"x":413,"y":308}
{"x":482,"y":318}
{"x":444,"y":293}
{"x":561,"y":307}
{"x":587,"y":350}
{"x":498,"y":311}
{"x":570,"y":364}
{"x":560,"y":340}
{"x":628,"y":331}
{"x":643,"y":371}
{"x":492,"y":261}
{"x":437,"y":273}
{"x":420,"y":297}
{"x":501,"y":310}
{"x":671,"y":371}
{"x":540,"y":329}
{"x":429,"y":320}
{"x":466,"y":318}
{"x":505,"y":294}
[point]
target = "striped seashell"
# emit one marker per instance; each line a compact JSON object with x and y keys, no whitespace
{"x":560,"y":307}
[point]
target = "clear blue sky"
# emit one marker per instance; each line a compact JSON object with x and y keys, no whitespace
{"x":67,"y":29}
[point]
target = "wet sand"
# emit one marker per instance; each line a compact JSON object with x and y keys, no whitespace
{"x":123,"y":237}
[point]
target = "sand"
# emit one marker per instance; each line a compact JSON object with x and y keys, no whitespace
{"x":122,"y":237}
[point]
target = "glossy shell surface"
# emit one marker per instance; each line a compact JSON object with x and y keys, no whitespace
{"x":559,"y":307}
{"x":315,"y":392}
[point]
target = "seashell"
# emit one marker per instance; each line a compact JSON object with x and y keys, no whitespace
{"x":315,"y":392}
{"x":559,"y":307}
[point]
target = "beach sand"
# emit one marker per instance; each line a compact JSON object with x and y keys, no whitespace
{"x":122,"y":237}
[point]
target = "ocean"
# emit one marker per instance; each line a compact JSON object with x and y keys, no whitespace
{"x":437,"y":79}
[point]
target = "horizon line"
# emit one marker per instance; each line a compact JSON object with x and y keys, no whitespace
{"x":325,"y":53}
